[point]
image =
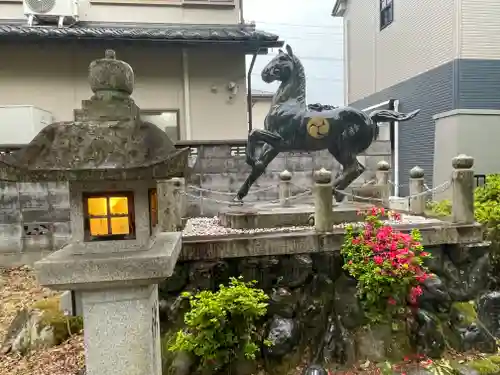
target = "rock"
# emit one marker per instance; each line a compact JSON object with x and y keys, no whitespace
{"x":338,"y":344}
{"x":182,"y":364}
{"x":488,"y":312}
{"x":283,"y":336}
{"x":435,"y":296}
{"x":282,"y":302}
{"x":328,"y":264}
{"x":43,"y":326}
{"x":208,"y":275}
{"x":176,"y":282}
{"x":374,"y":343}
{"x":347,"y":305}
{"x":295,"y":270}
{"x":315,"y":370}
{"x":428,"y":335}
{"x":260,"y":269}
{"x":243,"y":366}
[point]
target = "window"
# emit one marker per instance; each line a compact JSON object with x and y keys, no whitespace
{"x":153,"y":209}
{"x":109,"y":216}
{"x":386,"y":13}
{"x":166,"y":119}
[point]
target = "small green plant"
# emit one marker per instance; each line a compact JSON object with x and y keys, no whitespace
{"x":221,"y":326}
{"x":440,"y":208}
{"x":387,"y":264}
{"x":440,"y":367}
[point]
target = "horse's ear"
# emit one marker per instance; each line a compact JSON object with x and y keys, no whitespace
{"x":289,"y":50}
{"x":280,"y":51}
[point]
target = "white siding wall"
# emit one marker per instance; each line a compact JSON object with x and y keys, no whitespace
{"x":421,"y":37}
{"x":480,"y":26}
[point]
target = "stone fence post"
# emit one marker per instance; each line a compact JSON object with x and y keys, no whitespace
{"x":285,"y":187}
{"x":323,"y":201}
{"x":462,"y":184}
{"x":417,"y":187}
{"x":382,"y":180}
{"x":171,"y":204}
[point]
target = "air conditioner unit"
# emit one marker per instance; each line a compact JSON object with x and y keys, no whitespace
{"x":51,"y":11}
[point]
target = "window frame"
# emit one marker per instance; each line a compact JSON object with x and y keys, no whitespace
{"x":388,"y":8}
{"x":159,"y":111}
{"x":88,"y":237}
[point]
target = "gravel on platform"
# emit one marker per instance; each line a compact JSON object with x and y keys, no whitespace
{"x":210,"y":226}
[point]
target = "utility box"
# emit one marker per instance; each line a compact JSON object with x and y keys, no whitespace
{"x":20,"y":123}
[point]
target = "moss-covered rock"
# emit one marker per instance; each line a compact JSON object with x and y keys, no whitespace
{"x":52,"y":316}
{"x":485,"y":366}
{"x":41,"y":326}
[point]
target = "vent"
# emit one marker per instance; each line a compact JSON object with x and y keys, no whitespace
{"x":41,"y":6}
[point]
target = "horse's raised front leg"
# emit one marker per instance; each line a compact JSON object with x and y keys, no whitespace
{"x":267,"y":156}
{"x":256,"y":136}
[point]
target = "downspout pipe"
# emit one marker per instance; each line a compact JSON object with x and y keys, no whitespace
{"x":187,"y":94}
{"x":249,"y":91}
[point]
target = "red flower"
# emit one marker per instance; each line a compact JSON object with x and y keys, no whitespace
{"x":391,"y":301}
{"x":378,"y":259}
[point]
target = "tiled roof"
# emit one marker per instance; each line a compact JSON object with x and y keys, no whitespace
{"x":245,"y":34}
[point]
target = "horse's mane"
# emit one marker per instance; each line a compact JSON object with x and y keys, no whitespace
{"x":301,"y":75}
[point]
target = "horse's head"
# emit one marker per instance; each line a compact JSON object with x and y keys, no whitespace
{"x":280,"y":68}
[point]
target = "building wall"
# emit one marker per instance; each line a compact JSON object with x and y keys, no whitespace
{"x":141,"y":11}
{"x":58,"y":83}
{"x":466,"y":131}
{"x":260,"y":109}
{"x":480,"y":29}
{"x":432,"y":92}
{"x":378,"y":59}
{"x":460,"y":84}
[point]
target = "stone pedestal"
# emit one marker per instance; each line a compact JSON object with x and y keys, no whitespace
{"x":462,"y":183}
{"x":285,"y":187}
{"x":122,"y":325}
{"x":417,"y":187}
{"x":119,"y":299}
{"x":382,"y":181}
{"x":323,"y":201}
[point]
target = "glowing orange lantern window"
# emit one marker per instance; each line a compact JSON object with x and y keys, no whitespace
{"x":109,"y":216}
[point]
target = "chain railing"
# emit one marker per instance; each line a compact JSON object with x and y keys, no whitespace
{"x":308,"y":192}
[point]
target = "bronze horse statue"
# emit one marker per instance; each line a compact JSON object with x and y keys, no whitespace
{"x":292,"y":125}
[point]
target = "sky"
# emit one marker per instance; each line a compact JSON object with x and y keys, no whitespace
{"x":315,"y":37}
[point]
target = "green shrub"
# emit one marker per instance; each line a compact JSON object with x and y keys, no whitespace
{"x":440,"y":208}
{"x":221,"y":326}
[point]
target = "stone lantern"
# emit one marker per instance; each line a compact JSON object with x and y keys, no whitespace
{"x":117,"y":254}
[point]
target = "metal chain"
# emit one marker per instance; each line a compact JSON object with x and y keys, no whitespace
{"x":230,"y":193}
{"x":438,"y":189}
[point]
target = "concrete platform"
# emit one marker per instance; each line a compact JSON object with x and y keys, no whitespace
{"x":434,"y":233}
{"x":273,"y":215}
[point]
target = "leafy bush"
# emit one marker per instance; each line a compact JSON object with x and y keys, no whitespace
{"x":221,"y":326}
{"x":440,"y":208}
{"x":387,"y":264}
{"x":487,"y":206}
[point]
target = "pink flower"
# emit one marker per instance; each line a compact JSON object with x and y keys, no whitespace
{"x":378,"y":259}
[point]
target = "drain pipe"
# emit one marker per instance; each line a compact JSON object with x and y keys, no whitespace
{"x":187,"y":95}
{"x":249,"y":91}
{"x":395,"y":105}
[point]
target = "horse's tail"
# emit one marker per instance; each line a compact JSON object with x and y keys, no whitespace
{"x":382,"y":115}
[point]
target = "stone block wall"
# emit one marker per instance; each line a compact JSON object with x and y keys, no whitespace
{"x":313,"y":305}
{"x":34,"y":218}
{"x":220,"y":166}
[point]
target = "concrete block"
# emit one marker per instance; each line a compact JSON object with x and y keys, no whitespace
{"x":10,"y":238}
